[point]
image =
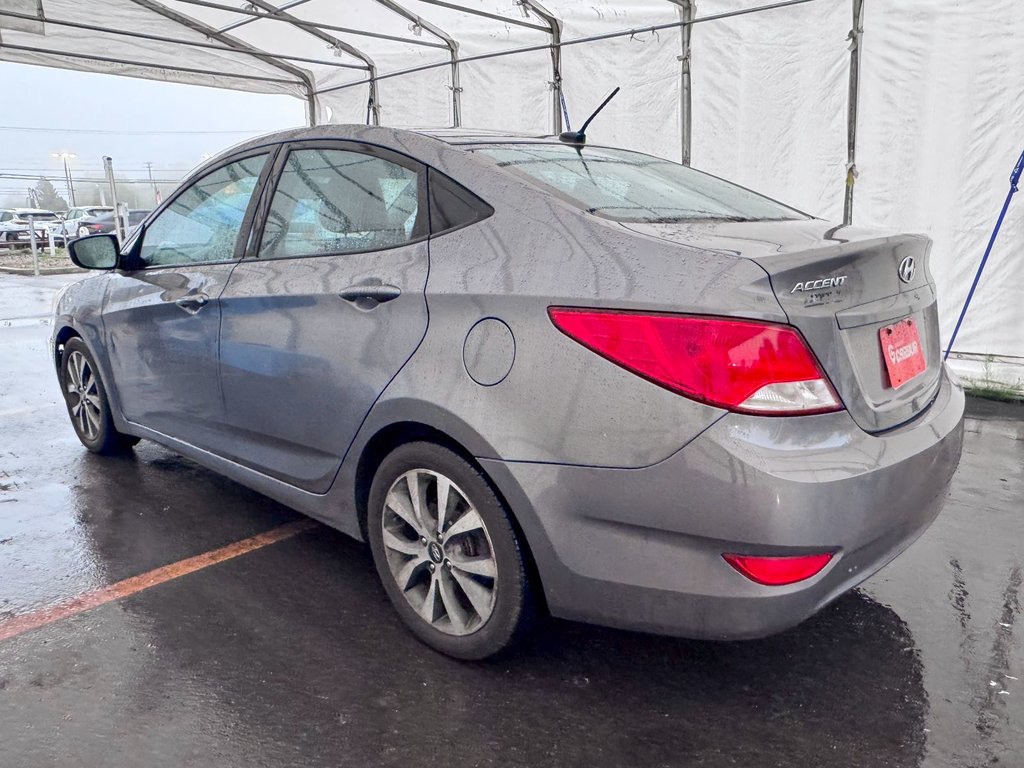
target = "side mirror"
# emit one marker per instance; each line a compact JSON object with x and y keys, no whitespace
{"x":94,"y":251}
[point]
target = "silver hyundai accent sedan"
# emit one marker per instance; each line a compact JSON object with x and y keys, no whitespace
{"x":537,"y":376}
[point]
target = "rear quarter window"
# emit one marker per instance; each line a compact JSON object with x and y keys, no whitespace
{"x":452,"y":206}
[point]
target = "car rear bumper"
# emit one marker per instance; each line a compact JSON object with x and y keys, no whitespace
{"x":642,"y":548}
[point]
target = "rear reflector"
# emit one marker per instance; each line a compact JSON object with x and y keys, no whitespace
{"x":742,"y":365}
{"x":777,"y":571}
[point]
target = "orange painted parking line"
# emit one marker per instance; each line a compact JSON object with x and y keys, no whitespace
{"x":97,"y":597}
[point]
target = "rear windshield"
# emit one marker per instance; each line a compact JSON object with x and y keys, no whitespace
{"x":632,"y":187}
{"x":38,"y":216}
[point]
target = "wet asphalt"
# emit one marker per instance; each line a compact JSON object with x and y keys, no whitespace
{"x":291,"y":656}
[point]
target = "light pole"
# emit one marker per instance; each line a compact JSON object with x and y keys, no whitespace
{"x":65,"y":156}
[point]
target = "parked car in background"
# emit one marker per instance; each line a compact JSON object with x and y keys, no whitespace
{"x":14,"y":224}
{"x":67,"y":227}
{"x":103,"y":223}
{"x":534,"y":374}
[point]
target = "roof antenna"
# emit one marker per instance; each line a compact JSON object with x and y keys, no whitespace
{"x":580,"y":136}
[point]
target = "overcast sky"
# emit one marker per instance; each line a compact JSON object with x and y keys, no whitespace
{"x":94,"y":115}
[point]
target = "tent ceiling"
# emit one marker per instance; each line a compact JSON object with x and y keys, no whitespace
{"x":308,"y":48}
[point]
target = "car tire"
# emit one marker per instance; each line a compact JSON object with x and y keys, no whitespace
{"x":86,"y":399}
{"x":467,"y":591}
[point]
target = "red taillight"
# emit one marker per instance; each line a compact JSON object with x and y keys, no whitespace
{"x":778,"y":571}
{"x":742,"y":365}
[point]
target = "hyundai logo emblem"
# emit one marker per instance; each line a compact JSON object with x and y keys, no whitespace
{"x":907,"y":269}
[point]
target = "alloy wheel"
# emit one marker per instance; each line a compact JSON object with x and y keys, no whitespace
{"x":439,"y":552}
{"x":85,"y":401}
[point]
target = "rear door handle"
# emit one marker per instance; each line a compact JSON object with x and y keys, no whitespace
{"x":369,"y":295}
{"x":193,"y":302}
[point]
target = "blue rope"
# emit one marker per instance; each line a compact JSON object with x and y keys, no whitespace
{"x":565,"y":109}
{"x":1014,"y":181}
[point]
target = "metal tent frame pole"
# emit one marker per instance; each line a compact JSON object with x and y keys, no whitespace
{"x":204,"y":44}
{"x":856,"y":38}
{"x":456,"y":88}
{"x":448,"y":40}
{"x":487,"y":15}
{"x":631,"y":32}
{"x":280,"y":14}
{"x":687,"y":10}
{"x":213,"y":33}
{"x":372,"y":103}
{"x":255,"y":16}
{"x":554,"y":25}
{"x":145,"y":64}
{"x":257,"y":10}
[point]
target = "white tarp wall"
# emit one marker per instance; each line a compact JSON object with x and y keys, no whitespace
{"x":770,"y":95}
{"x":942,"y":124}
{"x":940,"y":99}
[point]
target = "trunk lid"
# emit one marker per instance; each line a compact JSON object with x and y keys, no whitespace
{"x":840,"y":286}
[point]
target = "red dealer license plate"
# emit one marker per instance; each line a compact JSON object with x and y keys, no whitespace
{"x":901,"y":348}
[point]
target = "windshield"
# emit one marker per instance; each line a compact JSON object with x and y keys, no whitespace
{"x":632,"y":187}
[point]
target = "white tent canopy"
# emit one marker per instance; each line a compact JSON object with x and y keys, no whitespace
{"x":761,"y":97}
{"x":339,"y":56}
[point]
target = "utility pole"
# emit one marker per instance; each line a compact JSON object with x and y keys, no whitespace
{"x":156,"y":192}
{"x":65,"y":156}
{"x":108,"y":168}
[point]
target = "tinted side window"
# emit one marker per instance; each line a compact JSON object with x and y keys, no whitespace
{"x":203,"y":222}
{"x":332,"y":201}
{"x":452,"y":205}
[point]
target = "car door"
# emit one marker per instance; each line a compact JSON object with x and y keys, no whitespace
{"x":73,"y":222}
{"x":70,"y":222}
{"x":162,"y":314}
{"x":326,"y":310}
